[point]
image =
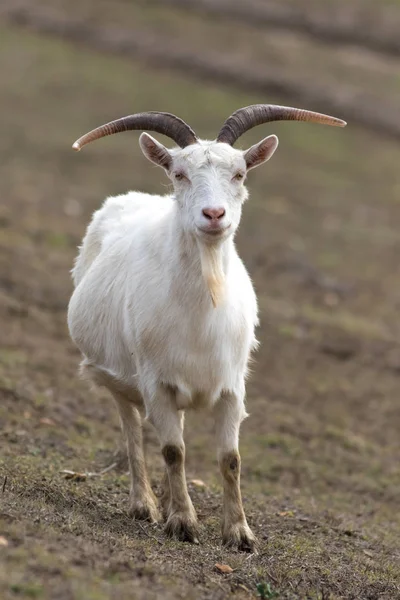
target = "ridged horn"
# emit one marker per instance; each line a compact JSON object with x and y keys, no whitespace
{"x":250,"y":116}
{"x":161,"y":122}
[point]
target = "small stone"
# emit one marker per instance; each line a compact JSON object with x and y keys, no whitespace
{"x":47,"y":421}
{"x":198,"y":482}
{"x":223,"y":568}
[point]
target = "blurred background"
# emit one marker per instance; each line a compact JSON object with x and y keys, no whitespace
{"x":320,"y":237}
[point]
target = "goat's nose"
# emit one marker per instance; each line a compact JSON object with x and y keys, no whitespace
{"x":213,"y":213}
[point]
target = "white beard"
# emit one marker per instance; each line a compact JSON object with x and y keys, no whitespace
{"x":212,"y":269}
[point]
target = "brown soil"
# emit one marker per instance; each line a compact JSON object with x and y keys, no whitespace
{"x":321,"y":448}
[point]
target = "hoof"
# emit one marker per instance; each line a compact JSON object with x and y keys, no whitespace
{"x":144,"y":511}
{"x":182,"y":528}
{"x":239,"y":537}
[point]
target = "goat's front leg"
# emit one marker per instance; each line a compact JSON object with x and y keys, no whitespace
{"x":165,"y":486}
{"x":229,"y":412}
{"x":178,"y":508}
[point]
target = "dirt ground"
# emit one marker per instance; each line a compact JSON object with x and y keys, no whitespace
{"x":321,"y":449}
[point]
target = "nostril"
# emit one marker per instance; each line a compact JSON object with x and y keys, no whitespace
{"x":213,"y":213}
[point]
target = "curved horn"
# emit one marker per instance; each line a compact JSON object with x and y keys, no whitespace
{"x":245,"y":118}
{"x":161,"y":122}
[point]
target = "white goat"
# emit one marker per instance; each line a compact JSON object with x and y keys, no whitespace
{"x":164,"y":311}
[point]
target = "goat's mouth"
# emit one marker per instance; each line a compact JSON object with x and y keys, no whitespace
{"x":214,"y":232}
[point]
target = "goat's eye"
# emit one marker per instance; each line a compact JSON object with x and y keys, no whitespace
{"x":239,"y":176}
{"x":179,"y":176}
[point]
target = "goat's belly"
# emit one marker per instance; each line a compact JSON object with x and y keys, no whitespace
{"x":199,"y":386}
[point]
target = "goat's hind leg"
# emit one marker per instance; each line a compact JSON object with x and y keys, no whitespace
{"x":143,"y":503}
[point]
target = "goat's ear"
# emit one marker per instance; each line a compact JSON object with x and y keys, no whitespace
{"x":154,"y":151}
{"x":259,"y":153}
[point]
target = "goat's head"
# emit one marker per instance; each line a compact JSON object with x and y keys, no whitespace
{"x":208,"y":180}
{"x":208,"y":177}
